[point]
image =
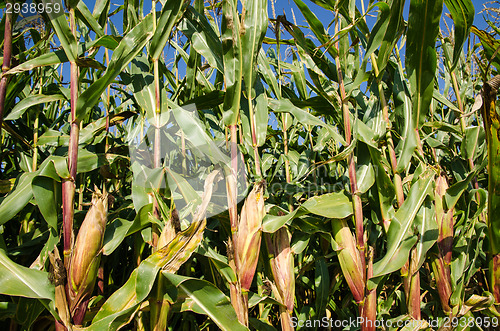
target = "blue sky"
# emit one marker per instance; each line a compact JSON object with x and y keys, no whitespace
{"x":289,"y":8}
{"x":325,"y":16}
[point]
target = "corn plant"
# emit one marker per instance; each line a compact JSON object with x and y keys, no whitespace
{"x":213,"y":165}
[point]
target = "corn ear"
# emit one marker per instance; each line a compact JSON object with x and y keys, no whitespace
{"x":369,"y":307}
{"x":444,"y":220}
{"x":58,"y":274}
{"x":350,"y":259}
{"x":248,"y":236}
{"x":86,"y":253}
{"x":179,"y":249}
{"x":441,"y":263}
{"x":282,"y":266}
{"x":170,"y":230}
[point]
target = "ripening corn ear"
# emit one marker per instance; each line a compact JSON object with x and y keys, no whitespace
{"x":86,"y":254}
{"x":282,"y":267}
{"x":441,"y":264}
{"x":248,"y":236}
{"x":170,"y":230}
{"x":350,"y":259}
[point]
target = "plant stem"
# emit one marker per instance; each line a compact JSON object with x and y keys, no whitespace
{"x":285,"y":144}
{"x":237,"y":297}
{"x":68,"y":189}
{"x":369,"y":307}
{"x":392,"y":155}
{"x":157,"y":143}
{"x":232,"y":189}
{"x":254,"y":136}
{"x":356,"y":199}
{"x":368,"y":304}
{"x":7,"y":54}
{"x":411,"y":278}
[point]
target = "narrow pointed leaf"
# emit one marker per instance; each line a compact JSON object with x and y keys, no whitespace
{"x":63,"y":31}
{"x":232,"y":56}
{"x":208,"y":300}
{"x":125,"y":52}
{"x":399,"y":236}
{"x":21,"y":281}
{"x":169,"y":15}
{"x":46,"y":191}
{"x":83,"y":11}
{"x":462,"y":12}
{"x":421,"y":59}
{"x":18,"y":198}
{"x":30,"y":101}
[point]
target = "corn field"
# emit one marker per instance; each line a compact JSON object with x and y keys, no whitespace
{"x":218,"y":165}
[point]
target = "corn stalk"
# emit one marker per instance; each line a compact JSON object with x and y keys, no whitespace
{"x":355,"y":257}
{"x":492,"y":127}
{"x":7,"y":54}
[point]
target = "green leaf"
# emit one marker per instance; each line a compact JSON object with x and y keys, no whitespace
{"x":378,"y":33}
{"x":110,"y":42}
{"x":260,"y":116}
{"x":462,"y":12}
{"x":18,"y":198}
{"x":396,"y":24}
{"x":195,"y":132}
{"x":425,"y":222}
{"x":254,"y":27}
{"x":408,"y":142}
{"x":88,"y":161}
{"x":119,"y":308}
{"x":203,"y":37}
{"x":232,"y":57}
{"x":30,"y":101}
{"x":304,"y":117}
{"x":169,"y":15}
{"x":315,"y":25}
{"x":169,"y":258}
{"x":219,"y":261}
{"x":28,"y":311}
{"x":83,"y":11}
{"x":267,"y":73}
{"x":421,"y":60}
{"x":471,"y":142}
{"x":271,"y":223}
{"x":126,"y":51}
{"x":385,"y":188}
{"x":25,"y":282}
{"x":46,"y":191}
{"x":399,"y":236}
{"x":441,"y":98}
{"x":490,"y":46}
{"x":455,"y":191}
{"x":43,"y":60}
{"x":322,"y":284}
{"x":208,"y":300}
{"x":62,"y":29}
{"x":122,"y":304}
{"x":332,"y":205}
